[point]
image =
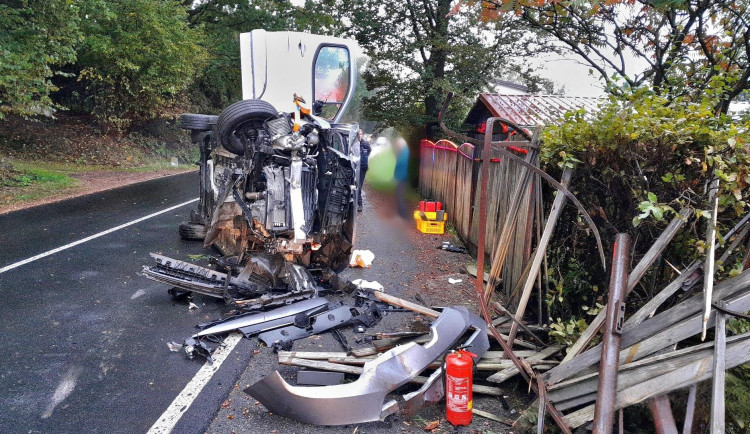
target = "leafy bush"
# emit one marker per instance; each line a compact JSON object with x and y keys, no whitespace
{"x":36,"y":38}
{"x":637,"y":162}
{"x":136,"y":57}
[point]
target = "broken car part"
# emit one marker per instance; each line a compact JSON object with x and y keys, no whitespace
{"x":259,"y":278}
{"x":307,"y":377}
{"x":363,"y":400}
{"x":314,"y":324}
{"x":247,"y":322}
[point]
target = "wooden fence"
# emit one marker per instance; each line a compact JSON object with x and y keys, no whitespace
{"x":450,"y":173}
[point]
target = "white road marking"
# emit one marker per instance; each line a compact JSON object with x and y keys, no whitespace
{"x":89,"y":238}
{"x":167,"y":421}
{"x":64,"y":389}
{"x":137,"y":294}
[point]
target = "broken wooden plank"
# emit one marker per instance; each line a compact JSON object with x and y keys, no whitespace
{"x":635,"y":276}
{"x":697,"y":371}
{"x":668,"y":327}
{"x":649,"y":308}
{"x":630,"y":373}
{"x":400,"y":302}
{"x":491,"y":416}
{"x":719,"y":367}
{"x":708,"y":268}
{"x":311,"y":355}
{"x":481,"y":365}
{"x":426,"y":311}
{"x":512,"y":371}
{"x":541,"y":249}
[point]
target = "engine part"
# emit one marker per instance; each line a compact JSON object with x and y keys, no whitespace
{"x":203,"y":280}
{"x":362,"y":400}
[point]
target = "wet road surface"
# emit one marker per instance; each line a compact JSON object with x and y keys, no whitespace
{"x":83,"y":336}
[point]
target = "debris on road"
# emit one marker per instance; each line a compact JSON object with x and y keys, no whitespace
{"x":450,"y":247}
{"x":361,"y":259}
{"x":366,"y":284}
{"x":363,"y":400}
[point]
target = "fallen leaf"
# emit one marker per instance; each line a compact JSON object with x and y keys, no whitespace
{"x":230,"y":417}
{"x":226,"y":403}
{"x":432,"y":425}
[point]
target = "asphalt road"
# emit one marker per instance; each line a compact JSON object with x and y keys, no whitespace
{"x":84,"y":337}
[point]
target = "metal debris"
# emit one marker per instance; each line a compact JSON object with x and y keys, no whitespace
{"x":363,"y":400}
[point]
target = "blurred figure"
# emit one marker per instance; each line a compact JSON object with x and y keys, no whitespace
{"x":401,"y":174}
{"x":364,"y":157}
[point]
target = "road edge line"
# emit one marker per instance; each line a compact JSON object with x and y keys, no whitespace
{"x":168,"y":420}
{"x":91,"y":237}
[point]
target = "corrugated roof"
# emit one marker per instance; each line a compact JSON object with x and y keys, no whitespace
{"x":533,"y":110}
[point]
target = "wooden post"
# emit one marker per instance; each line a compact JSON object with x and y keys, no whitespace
{"x":687,"y":427}
{"x":717,"y":391}
{"x":554,"y":214}
{"x":708,"y":268}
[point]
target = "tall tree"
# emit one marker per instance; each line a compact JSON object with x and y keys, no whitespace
{"x":136,"y":57}
{"x":219,"y":83}
{"x":36,"y":37}
{"x":421,"y":50}
{"x":680,"y":47}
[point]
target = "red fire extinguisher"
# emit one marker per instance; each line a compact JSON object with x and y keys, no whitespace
{"x":459,"y":371}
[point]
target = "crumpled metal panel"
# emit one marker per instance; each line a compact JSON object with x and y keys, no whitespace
{"x":242,"y":321}
{"x":362,"y":400}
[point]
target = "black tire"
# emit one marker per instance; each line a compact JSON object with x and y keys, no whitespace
{"x":192,"y":231}
{"x":197,"y":122}
{"x":246,"y":113}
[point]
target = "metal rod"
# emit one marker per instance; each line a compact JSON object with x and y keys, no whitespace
{"x":717,"y":390}
{"x":662,"y":412}
{"x":604,"y":414}
{"x":542,"y":402}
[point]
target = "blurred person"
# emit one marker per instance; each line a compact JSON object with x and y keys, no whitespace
{"x":401,"y":174}
{"x":364,"y":157}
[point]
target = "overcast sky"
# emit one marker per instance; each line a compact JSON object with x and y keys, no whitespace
{"x":561,"y":70}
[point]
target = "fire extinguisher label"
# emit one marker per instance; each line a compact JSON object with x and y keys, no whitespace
{"x":457,"y":394}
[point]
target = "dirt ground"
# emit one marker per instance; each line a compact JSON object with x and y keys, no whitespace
{"x":406,"y":263}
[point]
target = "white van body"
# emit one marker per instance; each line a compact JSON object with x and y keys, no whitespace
{"x":320,"y":69}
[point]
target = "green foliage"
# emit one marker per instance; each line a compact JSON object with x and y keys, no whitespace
{"x":36,"y":36}
{"x":420,"y":51}
{"x":676,"y":47}
{"x":136,"y":57}
{"x":637,"y":161}
{"x":738,"y":399}
{"x":219,"y":83}
{"x":567,"y":332}
{"x":25,"y":177}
